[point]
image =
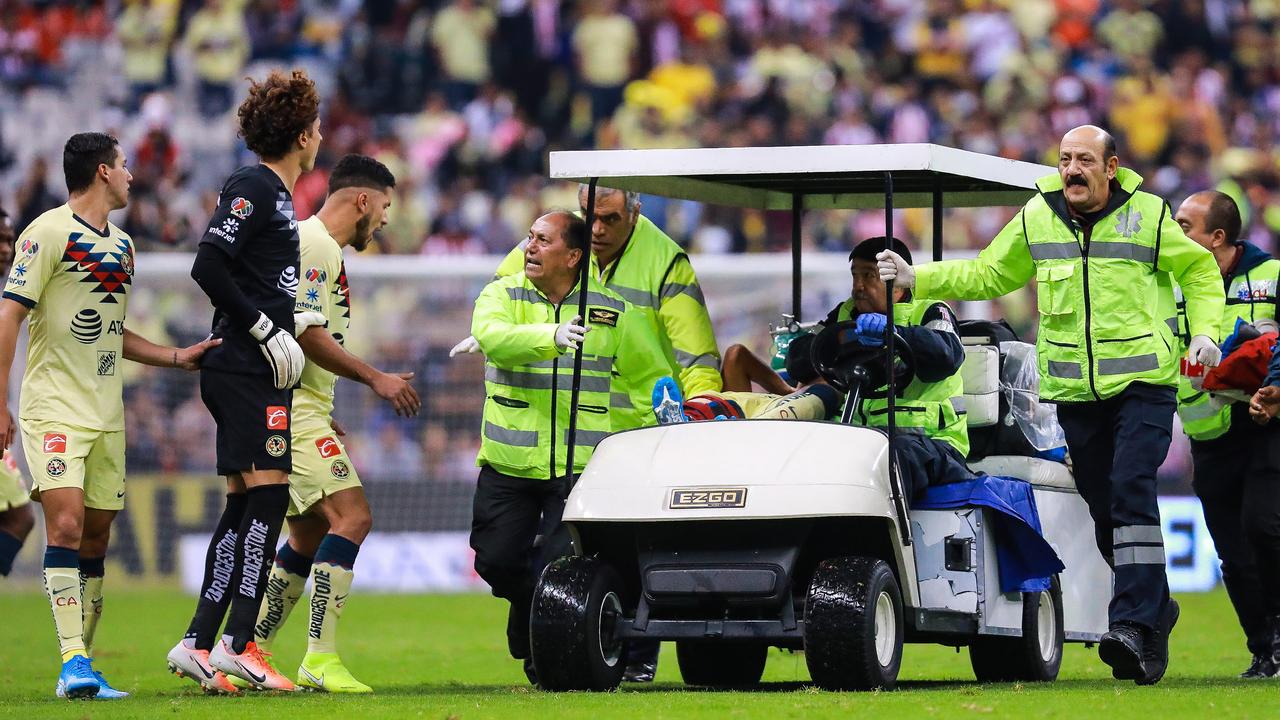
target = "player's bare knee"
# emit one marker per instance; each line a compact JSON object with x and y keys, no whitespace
{"x":354,"y":527}
{"x":64,"y":529}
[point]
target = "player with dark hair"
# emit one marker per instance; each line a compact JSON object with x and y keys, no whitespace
{"x":247,"y":263}
{"x":329,"y":514}
{"x":16,"y":518}
{"x":72,"y":277}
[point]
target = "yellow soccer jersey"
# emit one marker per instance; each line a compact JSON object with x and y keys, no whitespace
{"x":323,"y":289}
{"x":76,"y":282}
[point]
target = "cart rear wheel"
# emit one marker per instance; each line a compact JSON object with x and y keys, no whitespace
{"x":1034,"y":657}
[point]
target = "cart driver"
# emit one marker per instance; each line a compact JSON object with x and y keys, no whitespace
{"x":933,"y":435}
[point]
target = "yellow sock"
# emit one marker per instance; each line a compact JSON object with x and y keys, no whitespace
{"x":62,"y":585}
{"x":799,"y":405}
{"x":91,"y":592}
{"x":282,"y":593}
{"x":330,"y":585}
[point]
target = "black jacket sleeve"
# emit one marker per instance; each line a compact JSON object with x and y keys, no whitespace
{"x":937,"y":347}
{"x":212,"y":272}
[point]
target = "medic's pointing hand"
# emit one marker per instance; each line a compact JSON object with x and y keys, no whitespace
{"x":893,"y":267}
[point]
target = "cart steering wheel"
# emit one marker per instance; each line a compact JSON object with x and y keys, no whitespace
{"x":844,"y":362}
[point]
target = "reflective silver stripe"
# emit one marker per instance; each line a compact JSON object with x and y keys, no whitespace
{"x":958,"y":404}
{"x":586,"y":438}
{"x":596,"y":363}
{"x":515,"y":438}
{"x":1136,"y":534}
{"x":1173,"y":324}
{"x":639,"y":298}
{"x":688,"y":359}
{"x":1122,"y":251}
{"x":594,"y":298}
{"x":1201,"y":409}
{"x":1140,"y":555}
{"x":1055,"y":251}
{"x":1126,"y":365}
{"x":671,"y":290}
{"x":542,"y":381}
{"x":527,"y":295}
{"x":1065,"y":370}
{"x":620,"y":401}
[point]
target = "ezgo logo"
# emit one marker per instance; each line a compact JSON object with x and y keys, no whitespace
{"x":688,"y":498}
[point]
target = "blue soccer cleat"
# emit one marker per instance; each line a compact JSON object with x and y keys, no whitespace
{"x":105,"y":691}
{"x":77,"y":679}
{"x":668,"y":403}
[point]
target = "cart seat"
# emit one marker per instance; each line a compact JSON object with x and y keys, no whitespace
{"x":1038,"y":472}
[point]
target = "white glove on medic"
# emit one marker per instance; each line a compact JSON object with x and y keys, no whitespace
{"x":569,"y":334}
{"x":1202,"y":350}
{"x":304,"y":320}
{"x":281,"y":351}
{"x":467,"y":347}
{"x":893,"y":267}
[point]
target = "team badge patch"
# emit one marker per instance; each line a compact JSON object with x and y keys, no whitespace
{"x":241,"y":208}
{"x":340,"y":469}
{"x":56,"y":467}
{"x":316,"y":275}
{"x":602,"y":316}
{"x":277,"y":417}
{"x":126,"y":263}
{"x":276,"y":446}
{"x":30,"y":247}
{"x":328,"y":447}
{"x":55,"y":443}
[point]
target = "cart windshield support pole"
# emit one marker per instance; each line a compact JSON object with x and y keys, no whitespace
{"x":937,"y":219}
{"x":797,"y":203}
{"x":584,"y":273}
{"x":890,"y":330}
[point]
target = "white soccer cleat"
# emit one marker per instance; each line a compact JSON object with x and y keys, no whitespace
{"x":191,"y":663}
{"x":251,"y":666}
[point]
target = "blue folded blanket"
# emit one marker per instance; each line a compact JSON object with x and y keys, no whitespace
{"x":1026,"y":560}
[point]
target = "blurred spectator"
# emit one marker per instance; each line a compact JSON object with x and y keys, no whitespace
{"x":604,"y":43}
{"x":145,"y":30}
{"x":461,"y":33}
{"x":390,"y":456}
{"x":217,"y":39}
{"x":34,"y":197}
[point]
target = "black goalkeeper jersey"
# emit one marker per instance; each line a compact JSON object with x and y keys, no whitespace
{"x":254,"y":225}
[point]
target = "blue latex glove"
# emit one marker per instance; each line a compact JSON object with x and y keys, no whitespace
{"x":870,"y":329}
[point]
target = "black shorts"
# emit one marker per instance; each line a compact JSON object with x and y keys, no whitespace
{"x":253,"y":421}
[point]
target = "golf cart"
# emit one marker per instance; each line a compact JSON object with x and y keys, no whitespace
{"x":798,"y":534}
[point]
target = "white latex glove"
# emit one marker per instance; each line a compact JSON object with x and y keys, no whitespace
{"x":281,"y":351}
{"x":569,"y":334}
{"x":304,"y":320}
{"x":1202,"y":350}
{"x":468,"y":346}
{"x":893,"y":267}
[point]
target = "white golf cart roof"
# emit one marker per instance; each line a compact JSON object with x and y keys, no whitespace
{"x":825,"y":176}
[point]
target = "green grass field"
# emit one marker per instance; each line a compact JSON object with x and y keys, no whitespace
{"x":444,"y":656}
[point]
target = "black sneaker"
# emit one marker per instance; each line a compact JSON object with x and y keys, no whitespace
{"x":1121,"y":648}
{"x":1262,"y":668}
{"x":640,"y":672}
{"x":1155,"y":656}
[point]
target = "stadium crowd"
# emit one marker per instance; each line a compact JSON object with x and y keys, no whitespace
{"x":464,"y":98}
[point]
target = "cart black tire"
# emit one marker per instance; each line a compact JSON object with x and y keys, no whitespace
{"x":853,"y":625}
{"x":571,"y":627}
{"x":721,"y":663}
{"x":1034,"y":657}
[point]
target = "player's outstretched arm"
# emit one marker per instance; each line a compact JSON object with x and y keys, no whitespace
{"x":12,"y":313}
{"x":320,"y":347}
{"x":142,"y":350}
